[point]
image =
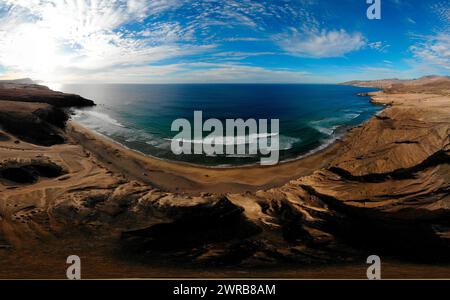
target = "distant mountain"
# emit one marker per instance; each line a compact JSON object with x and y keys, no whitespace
{"x":425,"y":84}
{"x":19,"y":81}
{"x":381,"y":83}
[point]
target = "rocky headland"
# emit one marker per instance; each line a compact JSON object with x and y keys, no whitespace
{"x":25,"y":92}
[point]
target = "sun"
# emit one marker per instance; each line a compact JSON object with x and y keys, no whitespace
{"x":35,"y":51}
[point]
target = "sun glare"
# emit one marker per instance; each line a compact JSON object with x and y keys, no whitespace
{"x":34,"y":50}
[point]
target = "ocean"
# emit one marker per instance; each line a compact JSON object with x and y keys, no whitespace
{"x":311,"y":116}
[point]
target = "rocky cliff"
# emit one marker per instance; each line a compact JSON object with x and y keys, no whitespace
{"x":40,"y":94}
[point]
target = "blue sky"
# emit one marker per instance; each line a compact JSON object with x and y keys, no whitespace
{"x":169,"y":41}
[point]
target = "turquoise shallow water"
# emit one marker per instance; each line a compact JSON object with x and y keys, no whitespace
{"x":140,"y":116}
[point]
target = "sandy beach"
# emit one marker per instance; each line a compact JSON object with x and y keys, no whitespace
{"x":188,"y":178}
{"x":383,"y":187}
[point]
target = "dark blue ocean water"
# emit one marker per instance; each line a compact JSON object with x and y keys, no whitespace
{"x":140,"y":116}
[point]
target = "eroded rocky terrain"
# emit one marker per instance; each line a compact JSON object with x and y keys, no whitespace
{"x":386,"y":191}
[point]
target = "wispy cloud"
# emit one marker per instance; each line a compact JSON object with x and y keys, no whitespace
{"x":441,"y":11}
{"x":183,"y":40}
{"x":245,"y":39}
{"x":105,"y":39}
{"x":232,"y":72}
{"x":433,"y":50}
{"x":320,"y":44}
{"x":379,"y":46}
{"x":236,"y":55}
{"x":199,"y":72}
{"x":46,"y":38}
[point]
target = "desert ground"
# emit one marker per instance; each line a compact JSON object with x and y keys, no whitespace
{"x":382,"y":189}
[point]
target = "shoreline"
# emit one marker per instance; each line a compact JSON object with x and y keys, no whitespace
{"x":327,"y":143}
{"x":299,"y":152}
{"x":198,"y":178}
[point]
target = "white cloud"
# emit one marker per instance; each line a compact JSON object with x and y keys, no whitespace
{"x":320,"y":44}
{"x":197,"y":72}
{"x":91,"y":40}
{"x":45,"y":38}
{"x":232,"y":73}
{"x":379,"y":46}
{"x":157,"y":40}
{"x":236,"y":55}
{"x":125,"y":74}
{"x":169,"y":32}
{"x":441,"y":10}
{"x":245,"y":39}
{"x":433,"y":50}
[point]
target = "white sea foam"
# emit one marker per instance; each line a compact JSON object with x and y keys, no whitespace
{"x":107,"y":125}
{"x":326,"y":130}
{"x":285,"y":142}
{"x":328,"y":126}
{"x":229,"y":140}
{"x":95,"y":118}
{"x":104,"y":117}
{"x":352,"y":116}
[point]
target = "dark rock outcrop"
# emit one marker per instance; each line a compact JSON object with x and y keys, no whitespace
{"x":34,"y":113}
{"x":193,"y":230}
{"x":35,"y":123}
{"x":29,"y":172}
{"x":41,"y":94}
